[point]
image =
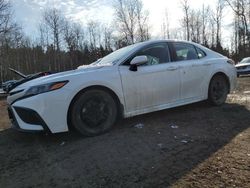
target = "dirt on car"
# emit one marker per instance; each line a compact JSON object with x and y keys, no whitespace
{"x":197,"y":145}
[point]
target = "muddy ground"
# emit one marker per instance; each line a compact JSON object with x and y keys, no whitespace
{"x":196,"y":145}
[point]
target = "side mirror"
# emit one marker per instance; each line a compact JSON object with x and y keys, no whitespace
{"x":136,"y":61}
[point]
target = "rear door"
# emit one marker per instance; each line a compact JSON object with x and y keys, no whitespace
{"x":193,"y":71}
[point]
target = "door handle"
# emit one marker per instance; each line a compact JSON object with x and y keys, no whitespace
{"x":172,"y":68}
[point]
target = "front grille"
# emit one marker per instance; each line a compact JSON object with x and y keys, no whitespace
{"x":241,"y":68}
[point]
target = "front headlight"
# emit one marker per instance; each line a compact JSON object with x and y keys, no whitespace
{"x":35,"y":90}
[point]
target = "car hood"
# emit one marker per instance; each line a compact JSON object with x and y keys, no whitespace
{"x":58,"y":76}
{"x":242,"y":64}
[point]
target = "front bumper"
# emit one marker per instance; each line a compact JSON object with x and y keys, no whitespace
{"x":243,"y":72}
{"x":30,"y":120}
{"x":43,"y":112}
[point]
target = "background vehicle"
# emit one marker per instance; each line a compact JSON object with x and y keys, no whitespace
{"x":137,"y":79}
{"x":11,"y":84}
{"x":243,"y":67}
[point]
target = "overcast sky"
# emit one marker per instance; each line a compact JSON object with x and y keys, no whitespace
{"x":28,"y":12}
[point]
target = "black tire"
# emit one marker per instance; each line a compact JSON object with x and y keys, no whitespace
{"x":238,"y":75}
{"x":94,"y":112}
{"x":218,"y":90}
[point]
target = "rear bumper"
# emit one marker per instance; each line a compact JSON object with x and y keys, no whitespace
{"x":26,"y":120}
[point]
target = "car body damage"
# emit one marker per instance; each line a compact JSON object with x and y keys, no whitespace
{"x":11,"y":84}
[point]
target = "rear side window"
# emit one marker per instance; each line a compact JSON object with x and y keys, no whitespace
{"x":185,"y":51}
{"x":201,"y":53}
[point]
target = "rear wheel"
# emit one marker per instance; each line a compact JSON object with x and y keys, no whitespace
{"x":218,"y":90}
{"x":93,"y":112}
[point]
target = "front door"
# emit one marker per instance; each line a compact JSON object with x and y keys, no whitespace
{"x":154,"y":84}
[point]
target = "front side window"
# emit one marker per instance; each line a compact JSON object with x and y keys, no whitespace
{"x":156,"y":54}
{"x":185,"y":52}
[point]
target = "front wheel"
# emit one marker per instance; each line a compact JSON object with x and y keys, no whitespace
{"x":93,"y":112}
{"x":218,"y":90}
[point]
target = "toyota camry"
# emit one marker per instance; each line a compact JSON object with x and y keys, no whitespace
{"x":137,"y":79}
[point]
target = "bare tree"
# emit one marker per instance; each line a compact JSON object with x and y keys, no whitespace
{"x":5,"y":17}
{"x":73,"y":36}
{"x":186,"y":20}
{"x":218,"y":20}
{"x":132,"y":20}
{"x":205,"y":23}
{"x":53,"y":21}
{"x":107,"y":38}
{"x":195,"y":25}
{"x":93,"y":31}
{"x":142,"y":18}
{"x":126,"y":17}
{"x":10,"y":35}
{"x":165,"y":28}
{"x":241,"y":9}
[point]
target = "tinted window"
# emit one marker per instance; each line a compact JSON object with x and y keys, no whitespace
{"x":156,"y":54}
{"x":201,"y":53}
{"x":185,"y":51}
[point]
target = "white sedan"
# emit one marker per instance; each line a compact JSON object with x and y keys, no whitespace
{"x":243,"y":67}
{"x":137,"y":79}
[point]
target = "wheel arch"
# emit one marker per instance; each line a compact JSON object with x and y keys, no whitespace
{"x":222,"y":74}
{"x":99,"y":87}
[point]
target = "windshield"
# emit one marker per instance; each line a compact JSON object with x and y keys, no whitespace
{"x":246,"y":60}
{"x":114,"y":57}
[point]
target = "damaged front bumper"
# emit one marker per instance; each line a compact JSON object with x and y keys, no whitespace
{"x":26,"y":120}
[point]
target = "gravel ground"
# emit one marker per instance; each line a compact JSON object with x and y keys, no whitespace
{"x":196,"y":145}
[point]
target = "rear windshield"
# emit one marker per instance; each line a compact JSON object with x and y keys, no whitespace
{"x":246,"y":60}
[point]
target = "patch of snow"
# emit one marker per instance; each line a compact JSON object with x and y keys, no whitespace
{"x":160,"y":145}
{"x":184,"y":141}
{"x":174,"y":126}
{"x":139,"y":126}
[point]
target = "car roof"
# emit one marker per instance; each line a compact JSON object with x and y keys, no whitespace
{"x":164,"y":40}
{"x":153,"y":41}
